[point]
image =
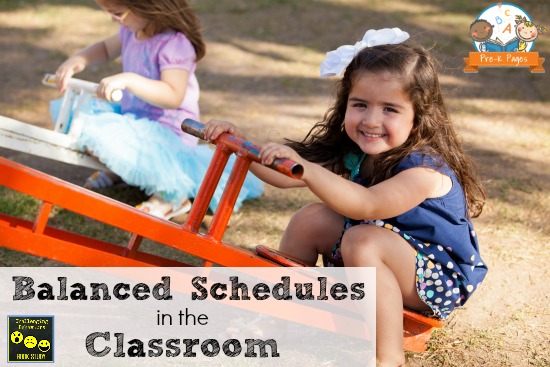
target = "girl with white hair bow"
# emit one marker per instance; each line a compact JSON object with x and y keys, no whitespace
{"x":398,"y":191}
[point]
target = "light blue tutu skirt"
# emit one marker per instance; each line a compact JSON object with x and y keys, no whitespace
{"x":150,"y":156}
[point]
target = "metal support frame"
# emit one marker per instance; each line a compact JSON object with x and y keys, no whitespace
{"x":37,"y":238}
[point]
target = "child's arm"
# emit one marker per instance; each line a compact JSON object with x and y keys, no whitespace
{"x":213,"y":129}
{"x":387,"y":199}
{"x":99,"y":52}
{"x":168,"y":92}
{"x":274,"y":178}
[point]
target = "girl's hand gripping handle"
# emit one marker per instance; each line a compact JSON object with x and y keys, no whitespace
{"x":78,"y":84}
{"x":244,"y":148}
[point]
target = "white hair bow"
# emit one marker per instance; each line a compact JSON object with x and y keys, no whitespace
{"x":337,"y":60}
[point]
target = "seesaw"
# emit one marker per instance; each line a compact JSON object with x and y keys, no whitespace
{"x":56,"y":144}
{"x":37,"y":238}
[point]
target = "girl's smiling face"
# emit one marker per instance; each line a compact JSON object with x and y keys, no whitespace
{"x":527,"y":33}
{"x":379,"y":115}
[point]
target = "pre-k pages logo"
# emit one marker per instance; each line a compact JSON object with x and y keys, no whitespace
{"x":504,"y":35}
{"x":30,"y":339}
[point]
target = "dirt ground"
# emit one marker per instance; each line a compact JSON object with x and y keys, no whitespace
{"x":261,"y":71}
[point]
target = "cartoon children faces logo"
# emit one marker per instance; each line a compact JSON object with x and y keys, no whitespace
{"x":30,"y":339}
{"x":504,"y":35}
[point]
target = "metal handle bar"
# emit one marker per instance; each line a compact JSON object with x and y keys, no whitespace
{"x":90,"y":87}
{"x":244,"y":148}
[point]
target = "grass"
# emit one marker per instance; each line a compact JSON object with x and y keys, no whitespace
{"x":17,"y":205}
{"x":22,"y":206}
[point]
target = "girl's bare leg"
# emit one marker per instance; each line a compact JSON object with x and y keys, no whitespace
{"x":313,"y":230}
{"x":394,"y":259}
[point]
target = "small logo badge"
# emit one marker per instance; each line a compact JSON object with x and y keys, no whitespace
{"x":30,"y":339}
{"x":504,"y":35}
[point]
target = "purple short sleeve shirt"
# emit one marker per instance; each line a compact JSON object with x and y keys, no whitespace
{"x":149,"y":57}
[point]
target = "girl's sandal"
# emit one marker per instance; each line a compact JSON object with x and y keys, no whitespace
{"x":183,"y":209}
{"x":154,"y":209}
{"x":100,"y":180}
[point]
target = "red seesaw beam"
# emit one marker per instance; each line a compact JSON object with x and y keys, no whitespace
{"x":37,"y":238}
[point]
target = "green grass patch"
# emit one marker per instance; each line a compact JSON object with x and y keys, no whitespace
{"x":18,"y":205}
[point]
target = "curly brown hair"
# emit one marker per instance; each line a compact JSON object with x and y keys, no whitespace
{"x":433,"y":133}
{"x":168,"y":14}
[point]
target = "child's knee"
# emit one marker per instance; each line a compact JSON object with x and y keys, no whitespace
{"x":357,"y":235}
{"x":315,"y":227}
{"x":314,"y":216}
{"x":302,"y":220}
{"x":311,"y":209}
{"x":358,"y":238}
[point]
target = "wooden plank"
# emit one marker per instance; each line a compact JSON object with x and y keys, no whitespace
{"x":30,"y":139}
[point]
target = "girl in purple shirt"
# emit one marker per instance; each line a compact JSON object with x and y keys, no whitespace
{"x":140,"y":141}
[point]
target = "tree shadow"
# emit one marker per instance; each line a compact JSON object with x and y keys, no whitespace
{"x":515,"y":183}
{"x":11,"y":5}
{"x":318,"y":27}
{"x":324,"y":26}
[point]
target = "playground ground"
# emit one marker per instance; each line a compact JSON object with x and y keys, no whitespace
{"x":261,"y":71}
